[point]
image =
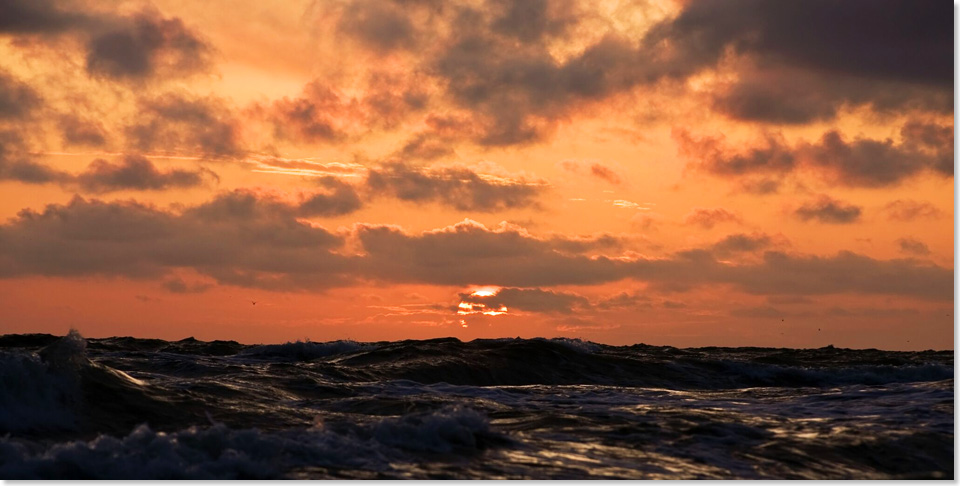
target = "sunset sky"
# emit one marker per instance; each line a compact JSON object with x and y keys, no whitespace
{"x":735,"y":172}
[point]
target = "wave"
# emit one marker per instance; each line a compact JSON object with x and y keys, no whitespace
{"x":59,"y":388}
{"x":570,"y":362}
{"x":219,"y":452}
{"x":301,"y":350}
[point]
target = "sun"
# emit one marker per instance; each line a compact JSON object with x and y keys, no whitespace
{"x":485,"y":291}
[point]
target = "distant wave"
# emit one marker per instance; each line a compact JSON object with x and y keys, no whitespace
{"x":302,"y":350}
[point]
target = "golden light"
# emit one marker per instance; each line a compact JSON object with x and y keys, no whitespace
{"x":485,"y":291}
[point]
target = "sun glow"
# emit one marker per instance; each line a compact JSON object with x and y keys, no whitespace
{"x":485,"y":291}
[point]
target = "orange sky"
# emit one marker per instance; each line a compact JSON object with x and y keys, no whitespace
{"x":690,"y":174}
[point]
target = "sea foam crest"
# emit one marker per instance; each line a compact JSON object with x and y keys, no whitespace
{"x":219,"y":452}
{"x":41,"y":391}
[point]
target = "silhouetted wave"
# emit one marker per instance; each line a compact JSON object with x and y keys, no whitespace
{"x":498,"y":408}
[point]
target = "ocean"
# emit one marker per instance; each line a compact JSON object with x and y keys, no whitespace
{"x":126,"y":408}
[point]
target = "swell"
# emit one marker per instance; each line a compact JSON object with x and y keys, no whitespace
{"x":566,"y":362}
{"x":220,"y":452}
{"x":58,"y":390}
{"x":511,"y":362}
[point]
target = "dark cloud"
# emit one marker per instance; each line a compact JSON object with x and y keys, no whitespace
{"x":518,"y":91}
{"x":236,"y":239}
{"x":911,"y":246}
{"x":133,"y":48}
{"x":710,"y":154}
{"x":900,"y":40}
{"x":530,"y":300}
{"x":248,"y":240}
{"x":625,"y":300}
{"x":77,"y":130}
{"x":493,"y":59}
{"x":793,"y":96}
{"x":846,"y":272}
{"x":877,"y":163}
{"x":595,"y":169}
{"x":425,"y":147}
{"x":138,"y":173}
{"x":145,"y":46}
{"x":17,"y":99}
{"x":321,"y":113}
{"x":381,"y":25}
{"x":586,"y":244}
{"x":17,"y":165}
{"x":828,"y":210}
{"x":707,"y":218}
{"x":760,"y":187}
{"x":338,"y":198}
{"x":469,"y":253}
{"x":27,"y":171}
{"x":458,"y":187}
{"x":39,"y":17}
{"x":177,"y":122}
{"x":907,"y":210}
{"x":862,"y":162}
{"x":533,"y":20}
{"x":815,"y":56}
{"x":742,"y":243}
{"x":178,"y":286}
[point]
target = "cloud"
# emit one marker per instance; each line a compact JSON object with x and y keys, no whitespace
{"x":178,"y":286}
{"x":595,"y":169}
{"x":530,"y":300}
{"x":707,"y":218}
{"x":39,"y":17}
{"x":742,"y":243}
{"x":829,"y":210}
{"x":323,"y":113}
{"x":78,"y":130}
{"x":760,"y":187}
{"x":379,"y":25}
{"x":508,"y":66}
{"x":147,"y":45}
{"x":861,"y":162}
{"x":469,"y":253}
{"x":338,"y":198}
{"x":879,"y":163}
{"x":458,"y":187}
{"x":29,"y":172}
{"x":243,"y":239}
{"x":914,"y":247}
{"x":138,"y":173}
{"x":136,"y":47}
{"x":625,"y":300}
{"x":17,"y":99}
{"x":907,"y":210}
{"x":236,"y":239}
{"x":425,"y":146}
{"x":178,"y":122}
{"x":710,"y":154}
{"x":806,"y":59}
{"x":17,"y":165}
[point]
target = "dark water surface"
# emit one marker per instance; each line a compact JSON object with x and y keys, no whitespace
{"x":505,"y":408}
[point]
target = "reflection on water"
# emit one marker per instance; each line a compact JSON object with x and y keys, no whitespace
{"x":496,"y":409}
